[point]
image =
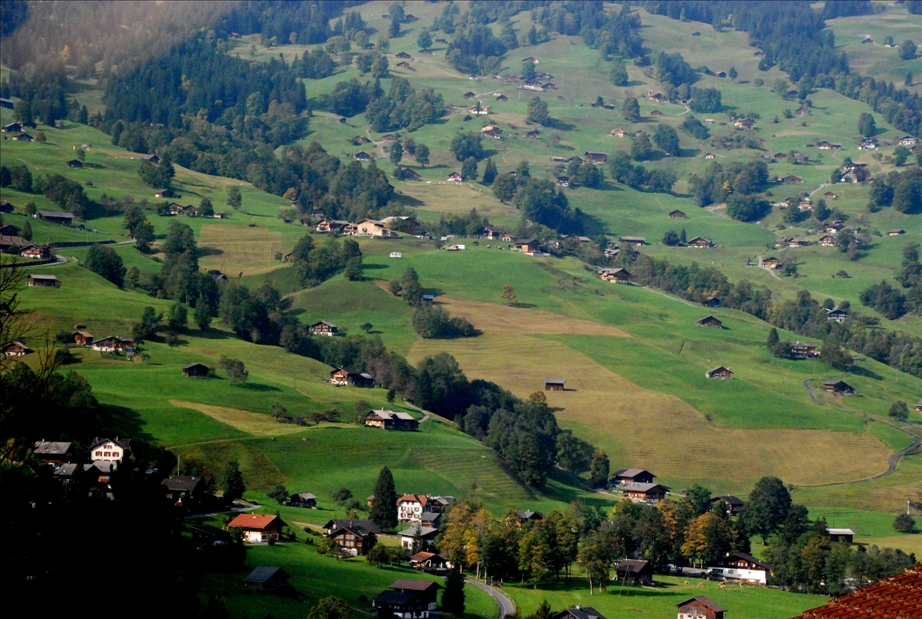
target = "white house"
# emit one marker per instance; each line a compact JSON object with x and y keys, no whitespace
{"x":741,"y":566}
{"x":109,"y":450}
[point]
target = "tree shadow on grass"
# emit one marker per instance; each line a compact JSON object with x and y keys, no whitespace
{"x":866,"y":373}
{"x":259,"y":387}
{"x":406,"y":200}
{"x":122,"y":421}
{"x":559,"y":125}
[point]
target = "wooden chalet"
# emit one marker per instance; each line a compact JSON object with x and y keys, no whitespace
{"x":700,"y":241}
{"x":734,"y":505}
{"x":178,"y":210}
{"x":836,"y":314}
{"x":919,"y":406}
{"x":634,"y":572}
{"x":491,"y":131}
{"x":740,"y":566}
{"x":338,"y":523}
{"x":350,"y":378}
{"x":700,"y":607}
{"x":15,"y":127}
{"x":403,"y":604}
{"x":324,"y":328}
{"x":595,"y":157}
{"x":44,"y":280}
{"x":430,"y":562}
{"x":791,"y":179}
{"x":830,"y":196}
{"x":196,"y":370}
{"x":389,"y":420}
{"x":838,"y":387}
{"x":408,"y":174}
{"x":16,"y":349}
{"x":68,"y":473}
{"x":554,"y":384}
{"x":258,"y":528}
{"x":744,"y":123}
{"x":563,"y":181}
{"x":804,"y":350}
{"x":908,"y":140}
{"x":527,"y":515}
{"x":895,"y":232}
{"x":828,"y":241}
{"x":36,"y":252}
{"x":677,"y":214}
{"x":502,"y":97}
{"x":302,"y":499}
{"x":12,"y":241}
{"x":644,"y":492}
{"x":403,"y":55}
{"x":427,"y":590}
{"x":616,"y":133}
{"x":633,"y":476}
{"x":403,"y":65}
{"x":833,"y":227}
{"x":455,"y":177}
{"x":479,"y":110}
{"x":389,"y":137}
{"x":659,"y":114}
{"x":578,"y":612}
{"x":74,"y":164}
{"x":527,"y":245}
{"x":470,"y":95}
{"x":615,"y":276}
{"x":165,"y":193}
{"x":188,"y":491}
{"x":636,"y":241}
{"x":23,"y":137}
{"x":710,"y":301}
{"x":709,"y":321}
{"x":361,"y":156}
{"x":824,"y":145}
{"x":56,"y":217}
{"x":331,"y":225}
{"x":54,"y":453}
{"x":113,"y":343}
{"x":720,"y":372}
{"x":358,"y":140}
{"x":267,"y":578}
{"x":771,"y":262}
{"x":846,"y":536}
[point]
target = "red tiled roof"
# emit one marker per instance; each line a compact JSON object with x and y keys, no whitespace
{"x":252,"y":521}
{"x":896,"y":597}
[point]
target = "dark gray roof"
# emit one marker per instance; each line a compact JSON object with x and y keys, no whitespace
{"x":633,"y":487}
{"x":182,"y":483}
{"x":580,"y":612}
{"x":555,"y":381}
{"x":527,"y":514}
{"x":406,"y":584}
{"x":45,"y":448}
{"x":58,"y":214}
{"x":717,"y":608}
{"x":366,"y":525}
{"x":423,"y":531}
{"x":305,"y":496}
{"x":66,"y":470}
{"x":747,"y":557}
{"x":631,"y":473}
{"x":264,"y":573}
{"x":397,"y":598}
{"x":634,"y":566}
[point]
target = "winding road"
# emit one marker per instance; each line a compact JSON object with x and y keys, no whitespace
{"x":503,"y":601}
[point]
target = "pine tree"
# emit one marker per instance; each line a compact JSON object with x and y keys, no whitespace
{"x":453,"y":595}
{"x":489,"y":172}
{"x":384,"y":504}
{"x":234,"y":486}
{"x":773,"y":340}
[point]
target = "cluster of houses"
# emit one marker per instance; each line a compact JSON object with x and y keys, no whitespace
{"x":367,"y":227}
{"x":638,"y":485}
{"x":109,"y":344}
{"x":76,"y":468}
{"x":17,"y":131}
{"x":178,"y":210}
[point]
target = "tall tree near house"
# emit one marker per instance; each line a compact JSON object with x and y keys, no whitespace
{"x":767,"y":508}
{"x":422,"y":154}
{"x":384,"y":504}
{"x":453,"y":595}
{"x":630,"y":109}
{"x":234,"y":485}
{"x":234,"y":199}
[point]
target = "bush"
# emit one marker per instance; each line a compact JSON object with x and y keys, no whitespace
{"x":904,"y":523}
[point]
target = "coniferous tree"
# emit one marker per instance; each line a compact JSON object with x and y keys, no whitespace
{"x":234,"y":486}
{"x":489,"y":172}
{"x":453,"y":595}
{"x":384,"y":504}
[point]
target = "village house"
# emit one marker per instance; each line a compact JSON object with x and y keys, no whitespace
{"x":527,"y":245}
{"x":304,"y":500}
{"x":836,"y":314}
{"x":323,"y":328}
{"x":204,"y":535}
{"x":636,"y":241}
{"x":188,"y":491}
{"x":502,"y":97}
{"x":909,"y":141}
{"x":389,"y":420}
{"x":895,"y":232}
{"x":828,"y":145}
{"x":791,"y":179}
{"x":109,"y":450}
{"x":804,"y":350}
{"x":828,"y":241}
{"x":349,"y":378}
{"x":742,"y":567}
{"x":615,"y":276}
{"x":470,"y":95}
{"x":700,"y":607}
{"x":527,"y":515}
{"x":710,"y":301}
{"x":868,"y":144}
{"x":354,"y":537}
{"x":196,"y":370}
{"x":154,"y":159}
{"x":644,"y":492}
{"x":744,"y":123}
{"x":720,"y":372}
{"x":780,"y":156}
{"x":578,"y":612}
{"x":845,"y":536}
{"x":838,"y":387}
{"x":801,"y":112}
{"x":677,"y":214}
{"x":798,"y":241}
{"x":12,"y":242}
{"x":425,"y":535}
{"x":634,"y":572}
{"x":331,"y":225}
{"x":771,"y":262}
{"x":165,"y":193}
{"x":16,"y":349}
{"x":258,"y":528}
{"x":54,"y":453}
{"x":616,"y":133}
{"x":734,"y":505}
{"x":267,"y":578}
{"x":709,"y":321}
{"x":403,"y":65}
{"x":658,"y":114}
{"x":410,"y":507}
{"x":919,"y":406}
{"x":36,"y":252}
{"x":408,"y":174}
{"x":455,"y":177}
{"x":68,"y":473}
{"x":632,"y":476}
{"x":74,"y":164}
{"x":358,"y":140}
{"x":479,"y":110}
{"x":491,"y":131}
{"x":389,"y":137}
{"x":595,"y":157}
{"x":403,"y":55}
{"x":554,"y":384}
{"x":23,"y":137}
{"x":856,"y":173}
{"x":407,"y":599}
{"x":830,"y":196}
{"x":56,"y":217}
{"x":700,"y":242}
{"x":15,"y":127}
{"x":361,"y":156}
{"x":833,"y":227}
{"x":431,"y":562}
{"x":179,"y":210}
{"x":492,"y":234}
{"x":113,"y":343}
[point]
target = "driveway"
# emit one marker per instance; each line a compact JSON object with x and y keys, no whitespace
{"x":503,"y":601}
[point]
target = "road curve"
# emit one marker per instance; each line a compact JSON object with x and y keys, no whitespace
{"x":503,"y":601}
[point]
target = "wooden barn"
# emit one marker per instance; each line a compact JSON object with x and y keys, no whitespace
{"x":554,"y":384}
{"x":710,"y":321}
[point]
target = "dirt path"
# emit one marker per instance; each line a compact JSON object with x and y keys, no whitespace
{"x":380,"y":145}
{"x":687,"y":110}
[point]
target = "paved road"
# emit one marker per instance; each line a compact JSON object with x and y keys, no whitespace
{"x":503,"y":601}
